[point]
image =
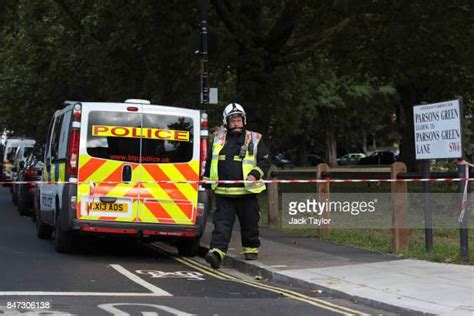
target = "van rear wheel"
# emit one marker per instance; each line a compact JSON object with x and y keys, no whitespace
{"x":43,"y":230}
{"x":188,"y":247}
{"x":21,"y":203}
{"x":64,"y":241}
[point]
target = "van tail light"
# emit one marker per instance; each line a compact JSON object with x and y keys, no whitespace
{"x":203,"y":156}
{"x":203,"y":152}
{"x":73,"y":152}
{"x":31,"y":176}
{"x":76,"y":114}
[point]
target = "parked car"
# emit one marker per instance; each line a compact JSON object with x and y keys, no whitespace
{"x":379,"y":158}
{"x":11,"y":147}
{"x":314,"y":160}
{"x":30,"y":172}
{"x":18,"y":162}
{"x":350,"y":159}
{"x":281,"y":162}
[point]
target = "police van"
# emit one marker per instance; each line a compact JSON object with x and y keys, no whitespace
{"x":127,"y":168}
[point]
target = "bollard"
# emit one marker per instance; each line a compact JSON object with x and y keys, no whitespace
{"x":399,"y":211}
{"x":323,"y":194}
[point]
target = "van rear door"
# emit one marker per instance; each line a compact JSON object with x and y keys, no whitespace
{"x":170,"y":152}
{"x":109,"y":157}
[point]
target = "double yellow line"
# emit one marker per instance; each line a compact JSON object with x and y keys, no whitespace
{"x":285,"y":292}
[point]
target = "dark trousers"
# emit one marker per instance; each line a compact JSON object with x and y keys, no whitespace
{"x":247,"y":210}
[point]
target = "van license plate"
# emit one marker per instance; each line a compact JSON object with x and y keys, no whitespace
{"x":110,"y":207}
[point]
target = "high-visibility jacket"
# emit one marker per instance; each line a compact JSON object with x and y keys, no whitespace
{"x":249,"y":164}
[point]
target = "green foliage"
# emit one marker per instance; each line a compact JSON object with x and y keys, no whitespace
{"x":93,"y":50}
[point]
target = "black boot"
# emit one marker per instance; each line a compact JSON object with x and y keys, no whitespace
{"x":251,"y":256}
{"x":214,"y":259}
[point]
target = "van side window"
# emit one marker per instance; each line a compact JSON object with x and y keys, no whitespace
{"x":62,"y":150}
{"x":47,"y":145}
{"x":56,"y":133}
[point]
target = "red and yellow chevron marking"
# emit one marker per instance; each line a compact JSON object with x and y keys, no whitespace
{"x":101,"y":170}
{"x":152,"y":202}
{"x":169,"y":202}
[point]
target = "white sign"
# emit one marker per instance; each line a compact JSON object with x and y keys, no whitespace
{"x":438,"y":130}
{"x":213,"y":95}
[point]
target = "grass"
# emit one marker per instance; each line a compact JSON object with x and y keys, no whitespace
{"x":446,"y":241}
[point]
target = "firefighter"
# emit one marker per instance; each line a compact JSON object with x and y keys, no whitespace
{"x":236,"y":154}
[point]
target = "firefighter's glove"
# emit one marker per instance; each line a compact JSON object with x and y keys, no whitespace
{"x":254,"y":175}
{"x":251,"y":178}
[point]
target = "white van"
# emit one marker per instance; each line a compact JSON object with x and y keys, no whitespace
{"x":18,"y":161}
{"x":115,"y":168}
{"x":11,"y":147}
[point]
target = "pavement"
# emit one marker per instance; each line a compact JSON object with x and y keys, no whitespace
{"x":405,"y":286}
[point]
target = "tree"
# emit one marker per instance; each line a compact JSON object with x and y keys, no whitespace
{"x":261,"y":36}
{"x":94,"y":50}
{"x":424,"y":49}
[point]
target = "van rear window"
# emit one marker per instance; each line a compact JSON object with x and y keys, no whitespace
{"x":133,"y":137}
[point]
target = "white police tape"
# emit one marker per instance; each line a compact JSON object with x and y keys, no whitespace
{"x":466,"y":183}
{"x":327,"y":180}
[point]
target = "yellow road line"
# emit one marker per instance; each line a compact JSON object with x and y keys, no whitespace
{"x":279,"y":290}
{"x":210,"y":270}
{"x":194,"y":264}
{"x":288,"y":293}
{"x":198,"y":268}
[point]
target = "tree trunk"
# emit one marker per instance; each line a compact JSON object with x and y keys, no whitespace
{"x":364,"y":142}
{"x":409,"y":96}
{"x":331,"y":144}
{"x":302,"y":154}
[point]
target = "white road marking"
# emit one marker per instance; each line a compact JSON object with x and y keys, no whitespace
{"x":112,"y":309}
{"x":155,"y":290}
{"x":4,"y":310}
{"x":189,"y":275}
{"x":44,"y":293}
